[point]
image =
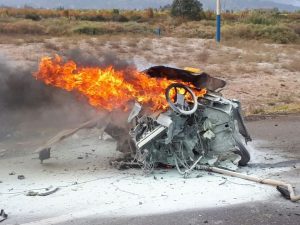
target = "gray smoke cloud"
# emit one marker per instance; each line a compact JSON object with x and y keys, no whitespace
{"x":83,"y":58}
{"x":19,"y":89}
{"x":27,"y":102}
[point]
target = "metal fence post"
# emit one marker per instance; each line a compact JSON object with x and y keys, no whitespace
{"x":218,"y":33}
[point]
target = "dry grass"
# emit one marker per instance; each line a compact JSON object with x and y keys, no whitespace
{"x":51,"y":46}
{"x":250,"y":25}
{"x":223,"y":57}
{"x":115,"y":45}
{"x":286,"y":99}
{"x":132,"y":42}
{"x":146,"y":45}
{"x":202,"y":56}
{"x":22,"y":27}
{"x":293,"y":65}
{"x":4,"y":39}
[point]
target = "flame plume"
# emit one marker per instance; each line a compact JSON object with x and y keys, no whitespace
{"x":105,"y":88}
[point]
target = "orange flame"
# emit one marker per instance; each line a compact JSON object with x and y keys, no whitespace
{"x":106,"y":88}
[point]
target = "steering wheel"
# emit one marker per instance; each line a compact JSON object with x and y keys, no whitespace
{"x":181,"y":99}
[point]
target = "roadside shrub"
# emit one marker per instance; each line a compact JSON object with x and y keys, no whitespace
{"x":90,"y":17}
{"x":90,"y":30}
{"x":278,"y":34}
{"x":119,"y":18}
{"x":296,"y":28}
{"x":116,"y":11}
{"x":209,"y":15}
{"x":136,"y":18}
{"x":33,"y":17}
{"x":98,"y":18}
{"x":244,"y":31}
{"x":149,"y":13}
{"x":188,"y":9}
{"x":58,"y":29}
{"x":261,"y":19}
{"x":194,"y":30}
{"x":22,"y":28}
{"x":293,"y":16}
{"x":229,"y":16}
{"x":114,"y":28}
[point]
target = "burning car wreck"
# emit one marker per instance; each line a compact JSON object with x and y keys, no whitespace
{"x":207,"y":130}
{"x":176,"y":118}
{"x":179,"y":118}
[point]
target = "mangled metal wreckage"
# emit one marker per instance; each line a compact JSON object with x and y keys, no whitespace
{"x":193,"y":131}
{"x":205,"y":132}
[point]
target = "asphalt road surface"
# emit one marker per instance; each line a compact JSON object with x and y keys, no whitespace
{"x":275,"y":153}
{"x":283,"y":134}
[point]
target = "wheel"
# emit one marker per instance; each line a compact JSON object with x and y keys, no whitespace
{"x":243,"y":152}
{"x":181,"y":99}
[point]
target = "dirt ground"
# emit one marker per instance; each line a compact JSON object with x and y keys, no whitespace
{"x":264,"y":77}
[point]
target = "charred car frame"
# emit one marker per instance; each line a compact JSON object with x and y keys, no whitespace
{"x":193,"y":131}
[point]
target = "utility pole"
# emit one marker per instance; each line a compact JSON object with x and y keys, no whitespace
{"x":218,"y":33}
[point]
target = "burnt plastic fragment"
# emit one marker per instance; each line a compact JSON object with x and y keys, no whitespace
{"x":44,"y":154}
{"x":3,"y":215}
{"x":284,"y":191}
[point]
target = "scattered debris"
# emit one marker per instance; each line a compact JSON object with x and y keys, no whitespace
{"x":105,"y":137}
{"x":3,"y":215}
{"x":223,"y":182}
{"x":44,"y":150}
{"x":44,"y":154}
{"x":2,"y":152}
{"x":285,"y":189}
{"x":21,"y":177}
{"x":48,"y":191}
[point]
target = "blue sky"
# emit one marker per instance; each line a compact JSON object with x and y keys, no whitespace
{"x":292,"y":2}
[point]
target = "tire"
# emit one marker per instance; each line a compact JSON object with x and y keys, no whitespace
{"x":243,"y":152}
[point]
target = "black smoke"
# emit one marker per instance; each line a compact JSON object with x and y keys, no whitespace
{"x":26,"y":101}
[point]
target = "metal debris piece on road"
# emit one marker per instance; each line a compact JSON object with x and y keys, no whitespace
{"x":21,"y":177}
{"x":2,"y":152}
{"x":285,"y":189}
{"x":47,"y":192}
{"x":3,"y":216}
{"x":44,"y":154}
{"x":44,"y":150}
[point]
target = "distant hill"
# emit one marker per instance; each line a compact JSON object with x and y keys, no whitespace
{"x":289,"y":5}
{"x":252,"y":4}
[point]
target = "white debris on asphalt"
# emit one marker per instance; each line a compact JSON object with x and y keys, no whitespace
{"x":89,"y":186}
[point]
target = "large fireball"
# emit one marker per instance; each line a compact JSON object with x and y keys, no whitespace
{"x":106,"y":88}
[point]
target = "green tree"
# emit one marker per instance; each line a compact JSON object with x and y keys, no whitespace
{"x":188,"y":9}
